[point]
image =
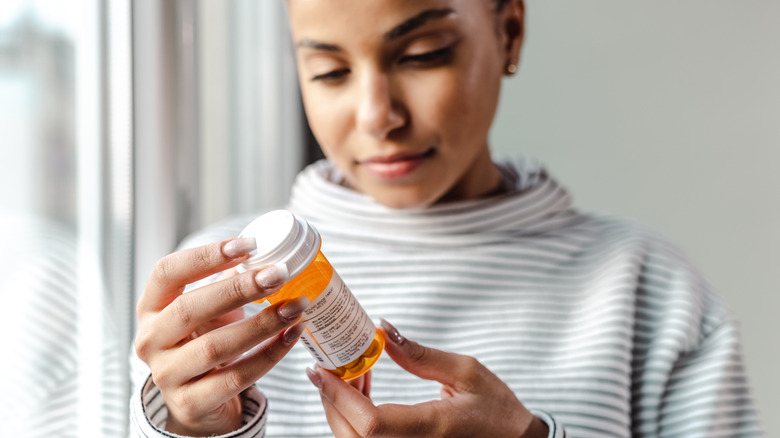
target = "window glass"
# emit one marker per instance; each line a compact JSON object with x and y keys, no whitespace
{"x":64,"y":231}
{"x":37,"y":109}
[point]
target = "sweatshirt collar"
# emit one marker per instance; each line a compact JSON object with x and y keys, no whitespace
{"x":534,"y":203}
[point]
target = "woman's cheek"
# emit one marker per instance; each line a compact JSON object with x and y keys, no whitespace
{"x":448,"y":103}
{"x":328,"y":120}
{"x":435,"y":95}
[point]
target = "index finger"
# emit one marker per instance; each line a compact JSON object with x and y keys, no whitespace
{"x":367,"y":420}
{"x":174,"y":272}
{"x":450,"y":369}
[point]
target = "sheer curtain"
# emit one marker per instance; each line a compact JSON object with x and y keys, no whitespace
{"x":219,"y":124}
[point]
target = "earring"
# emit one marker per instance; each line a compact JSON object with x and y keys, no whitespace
{"x":511,"y":68}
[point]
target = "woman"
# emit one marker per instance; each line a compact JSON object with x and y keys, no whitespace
{"x":533,"y":319}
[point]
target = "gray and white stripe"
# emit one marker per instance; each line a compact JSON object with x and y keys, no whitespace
{"x":598,"y":325}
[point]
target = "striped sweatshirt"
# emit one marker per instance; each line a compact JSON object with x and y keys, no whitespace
{"x":599,"y":326}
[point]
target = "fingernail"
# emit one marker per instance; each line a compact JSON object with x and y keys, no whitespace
{"x":239,"y":247}
{"x":392,"y":332}
{"x":293,"y":333}
{"x":315,"y":378}
{"x":272,"y":276}
{"x":293,"y":308}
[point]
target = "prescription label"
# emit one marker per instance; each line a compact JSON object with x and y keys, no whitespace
{"x":338,"y":330}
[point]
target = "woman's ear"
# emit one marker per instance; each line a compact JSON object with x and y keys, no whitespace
{"x":512,"y":28}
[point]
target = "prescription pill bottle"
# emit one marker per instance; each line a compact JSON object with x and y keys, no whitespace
{"x":339,"y":334}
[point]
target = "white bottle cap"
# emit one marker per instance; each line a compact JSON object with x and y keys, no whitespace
{"x":282,"y":238}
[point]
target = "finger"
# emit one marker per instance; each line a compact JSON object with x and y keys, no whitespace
{"x":225,"y":344}
{"x":224,"y":275}
{"x":367,"y":387}
{"x":175,"y":271}
{"x":362,"y":384}
{"x":221,"y":385}
{"x":231,"y":317}
{"x":369,"y":420}
{"x":338,"y":424}
{"x":357,"y":383}
{"x":191,"y":310}
{"x":451,"y":369}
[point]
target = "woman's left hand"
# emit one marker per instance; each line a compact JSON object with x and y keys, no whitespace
{"x":474,"y":402}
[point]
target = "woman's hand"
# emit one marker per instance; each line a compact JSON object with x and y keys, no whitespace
{"x":194,"y":343}
{"x":474,"y":402}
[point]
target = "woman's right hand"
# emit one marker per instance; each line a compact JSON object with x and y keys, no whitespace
{"x":194,"y":343}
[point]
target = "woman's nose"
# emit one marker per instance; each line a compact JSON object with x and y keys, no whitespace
{"x":377,"y":113}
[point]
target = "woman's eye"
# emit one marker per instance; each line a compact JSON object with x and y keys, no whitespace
{"x":435,"y":57}
{"x":331,"y":76}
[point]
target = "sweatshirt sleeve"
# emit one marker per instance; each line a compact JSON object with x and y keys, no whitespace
{"x":148,"y":413}
{"x":556,"y":429}
{"x":707,"y":392}
{"x":688,"y":374}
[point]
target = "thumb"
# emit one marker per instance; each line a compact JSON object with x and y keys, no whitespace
{"x":449,"y":369}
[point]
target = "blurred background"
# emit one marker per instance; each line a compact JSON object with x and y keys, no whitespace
{"x":668,"y":113}
{"x":126,"y":125}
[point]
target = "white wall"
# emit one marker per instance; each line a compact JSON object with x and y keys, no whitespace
{"x":668,"y":112}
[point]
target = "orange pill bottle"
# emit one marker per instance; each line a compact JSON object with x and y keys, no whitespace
{"x":339,"y":334}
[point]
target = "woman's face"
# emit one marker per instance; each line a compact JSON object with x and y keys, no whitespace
{"x":401,"y":94}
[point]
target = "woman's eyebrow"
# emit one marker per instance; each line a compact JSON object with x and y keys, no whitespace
{"x":396,"y":32}
{"x":316,"y":45}
{"x":416,"y":21}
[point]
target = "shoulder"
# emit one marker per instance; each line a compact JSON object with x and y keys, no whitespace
{"x":671,"y":294}
{"x":601,"y":236}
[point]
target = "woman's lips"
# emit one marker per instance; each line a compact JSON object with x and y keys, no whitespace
{"x":397,"y":165}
